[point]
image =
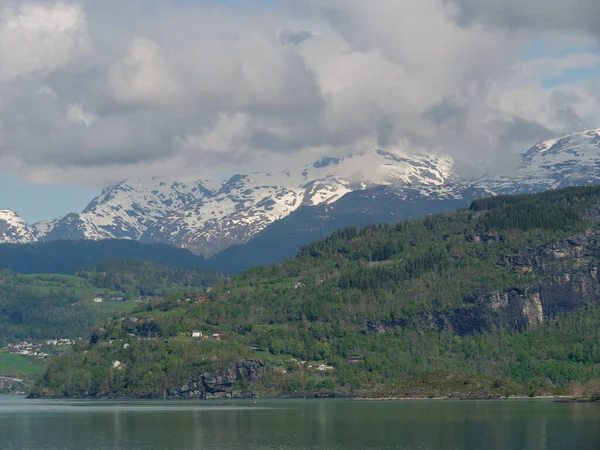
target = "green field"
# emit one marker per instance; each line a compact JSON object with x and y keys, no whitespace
{"x":45,"y":284}
{"x":19,"y":365}
{"x":111,"y":308}
{"x":53,"y":278}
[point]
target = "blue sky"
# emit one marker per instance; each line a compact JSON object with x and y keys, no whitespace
{"x":542,"y":48}
{"x":35,"y":203}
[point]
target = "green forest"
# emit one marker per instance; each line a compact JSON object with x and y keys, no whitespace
{"x":68,"y":256}
{"x":44,"y":306}
{"x":498,"y":299}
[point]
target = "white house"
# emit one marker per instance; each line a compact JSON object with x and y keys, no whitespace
{"x":98,"y":300}
{"x":197,"y":334}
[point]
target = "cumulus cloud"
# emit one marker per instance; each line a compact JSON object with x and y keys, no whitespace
{"x":143,"y":77}
{"x":36,"y":39}
{"x":94,"y":92}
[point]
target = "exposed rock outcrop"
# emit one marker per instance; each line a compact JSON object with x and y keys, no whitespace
{"x":222,"y":383}
{"x":564,"y":279}
{"x":10,"y":384}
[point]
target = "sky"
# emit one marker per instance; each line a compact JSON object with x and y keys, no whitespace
{"x":93,"y":92}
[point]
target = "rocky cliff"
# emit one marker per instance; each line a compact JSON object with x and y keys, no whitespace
{"x":221,"y":383}
{"x":564,"y":279}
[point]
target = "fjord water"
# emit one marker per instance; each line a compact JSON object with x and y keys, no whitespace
{"x":298,"y":424}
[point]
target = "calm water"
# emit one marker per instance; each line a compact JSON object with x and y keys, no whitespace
{"x":311,"y":424}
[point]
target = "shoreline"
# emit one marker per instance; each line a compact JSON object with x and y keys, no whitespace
{"x":565,"y":398}
{"x":559,"y":398}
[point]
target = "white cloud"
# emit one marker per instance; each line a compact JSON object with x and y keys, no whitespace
{"x":36,"y":39}
{"x":99,"y":91}
{"x":143,"y":77}
{"x":76,"y":114}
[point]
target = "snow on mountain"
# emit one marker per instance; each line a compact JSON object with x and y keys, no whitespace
{"x":124,"y":211}
{"x":14,"y":230}
{"x":566,"y":161}
{"x":247,"y":204}
{"x":206,"y":217}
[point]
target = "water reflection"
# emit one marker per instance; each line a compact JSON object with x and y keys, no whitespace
{"x":328,"y":424}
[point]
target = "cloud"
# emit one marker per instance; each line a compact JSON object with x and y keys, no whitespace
{"x":36,"y":39}
{"x":76,"y":114}
{"x":143,"y":77}
{"x":93,"y":92}
{"x":573,"y":16}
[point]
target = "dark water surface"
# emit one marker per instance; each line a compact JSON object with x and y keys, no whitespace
{"x":309,"y":424}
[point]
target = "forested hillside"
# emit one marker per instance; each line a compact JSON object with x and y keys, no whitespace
{"x":498,"y":299}
{"x":42,"y":306}
{"x":283,"y":238}
{"x":66,"y":257}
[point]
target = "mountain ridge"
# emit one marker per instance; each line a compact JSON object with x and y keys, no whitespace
{"x":207,"y":218}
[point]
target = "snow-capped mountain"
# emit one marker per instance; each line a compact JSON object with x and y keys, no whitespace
{"x":14,"y":230}
{"x":566,"y":161}
{"x":247,"y":204}
{"x":207,"y":217}
{"x":124,"y":211}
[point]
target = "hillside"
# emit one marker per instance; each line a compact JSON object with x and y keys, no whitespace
{"x":381,"y":204}
{"x":68,"y":256}
{"x":502,"y":298}
{"x":50,"y":306}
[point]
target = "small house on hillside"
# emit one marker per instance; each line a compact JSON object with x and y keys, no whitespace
{"x":98,"y":299}
{"x":196,"y":334}
{"x":217,"y":337}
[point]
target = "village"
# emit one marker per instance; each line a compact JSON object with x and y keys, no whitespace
{"x":40,"y":350}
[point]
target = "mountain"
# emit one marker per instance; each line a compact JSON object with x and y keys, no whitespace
{"x":207,"y":217}
{"x":124,"y":211}
{"x":15,"y":230}
{"x":566,"y":161}
{"x":499,"y":299}
{"x":380,"y":204}
{"x":247,"y":204}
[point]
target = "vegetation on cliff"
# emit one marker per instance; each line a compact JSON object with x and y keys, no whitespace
{"x":505,"y":292}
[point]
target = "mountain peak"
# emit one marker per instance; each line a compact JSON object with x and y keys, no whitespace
{"x":207,"y":217}
{"x":583,"y":141}
{"x":14,"y":230}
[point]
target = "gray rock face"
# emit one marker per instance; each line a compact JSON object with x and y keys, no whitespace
{"x":9,"y":384}
{"x":567,"y":280}
{"x":221,"y":383}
